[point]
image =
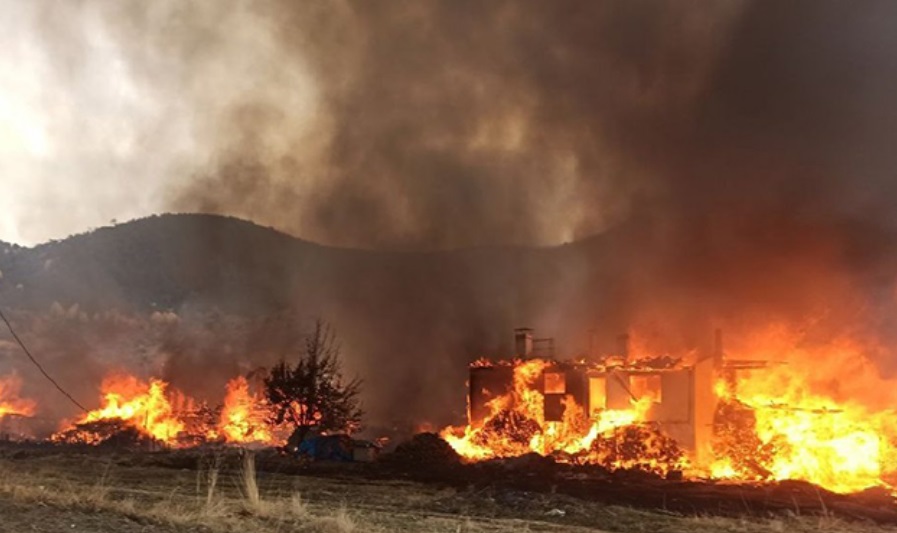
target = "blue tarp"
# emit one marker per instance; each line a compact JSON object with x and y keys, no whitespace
{"x":327,"y":447}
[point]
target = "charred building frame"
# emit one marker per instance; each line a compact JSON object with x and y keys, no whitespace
{"x":682,"y":398}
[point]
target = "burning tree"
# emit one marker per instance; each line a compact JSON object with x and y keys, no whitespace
{"x":312,"y":393}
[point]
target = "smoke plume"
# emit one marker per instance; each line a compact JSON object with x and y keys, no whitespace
{"x":734,"y":159}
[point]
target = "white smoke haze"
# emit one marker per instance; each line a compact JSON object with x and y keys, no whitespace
{"x":104,"y":111}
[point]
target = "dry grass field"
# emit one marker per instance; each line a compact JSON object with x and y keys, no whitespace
{"x":67,"y":491}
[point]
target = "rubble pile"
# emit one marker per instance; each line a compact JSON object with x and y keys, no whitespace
{"x":106,"y":432}
{"x":424,"y":450}
{"x":642,"y":447}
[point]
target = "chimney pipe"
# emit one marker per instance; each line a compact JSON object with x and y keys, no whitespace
{"x":623,"y":346}
{"x":523,"y":342}
{"x":718,"y":347}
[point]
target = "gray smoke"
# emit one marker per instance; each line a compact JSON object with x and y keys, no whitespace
{"x":449,"y":124}
{"x":734,"y":159}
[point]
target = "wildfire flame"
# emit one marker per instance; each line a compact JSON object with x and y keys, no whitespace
{"x":792,"y":410}
{"x":243,"y":416}
{"x":11,"y":402}
{"x":142,"y":405}
{"x":155,"y":410}
{"x":825,"y":416}
{"x":516,"y":425}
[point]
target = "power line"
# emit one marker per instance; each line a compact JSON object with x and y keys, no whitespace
{"x":38,"y":365}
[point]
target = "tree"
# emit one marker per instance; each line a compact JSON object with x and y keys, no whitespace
{"x":312,"y":393}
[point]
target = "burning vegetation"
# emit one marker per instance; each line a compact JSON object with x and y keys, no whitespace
{"x":11,"y":400}
{"x":264,"y":408}
{"x":153,"y":412}
{"x":750,"y":419}
{"x":243,"y":416}
{"x":774,"y":413}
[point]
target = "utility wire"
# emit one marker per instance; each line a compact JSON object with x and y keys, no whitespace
{"x":39,"y":367}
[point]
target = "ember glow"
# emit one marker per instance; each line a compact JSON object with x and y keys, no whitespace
{"x":781,"y":411}
{"x":11,"y":401}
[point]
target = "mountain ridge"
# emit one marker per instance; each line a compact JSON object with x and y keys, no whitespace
{"x":409,"y":321}
{"x":162,"y":261}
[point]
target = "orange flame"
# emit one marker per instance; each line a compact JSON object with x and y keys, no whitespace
{"x":143,"y":405}
{"x":243,"y":416}
{"x":11,"y":402}
{"x":168,"y":416}
{"x":516,"y":425}
{"x":819,"y":413}
{"x":825,"y":416}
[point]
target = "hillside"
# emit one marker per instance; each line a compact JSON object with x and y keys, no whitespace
{"x":171,"y":261}
{"x":409,"y":322}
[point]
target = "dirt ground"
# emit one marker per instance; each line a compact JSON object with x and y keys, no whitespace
{"x":63,"y":490}
{"x":19,"y":516}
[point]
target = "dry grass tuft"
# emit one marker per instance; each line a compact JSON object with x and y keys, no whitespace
{"x":211,"y":472}
{"x":249,"y":482}
{"x":297,"y":507}
{"x":340,"y":522}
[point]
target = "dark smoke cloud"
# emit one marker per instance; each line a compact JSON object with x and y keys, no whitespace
{"x":450,"y":124}
{"x":441,"y":124}
{"x":737,"y":153}
{"x":784,"y":194}
{"x":748,"y":136}
{"x":733,"y":158}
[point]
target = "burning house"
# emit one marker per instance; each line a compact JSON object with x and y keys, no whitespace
{"x":677,"y":397}
{"x":538,"y":403}
{"x":710,"y":416}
